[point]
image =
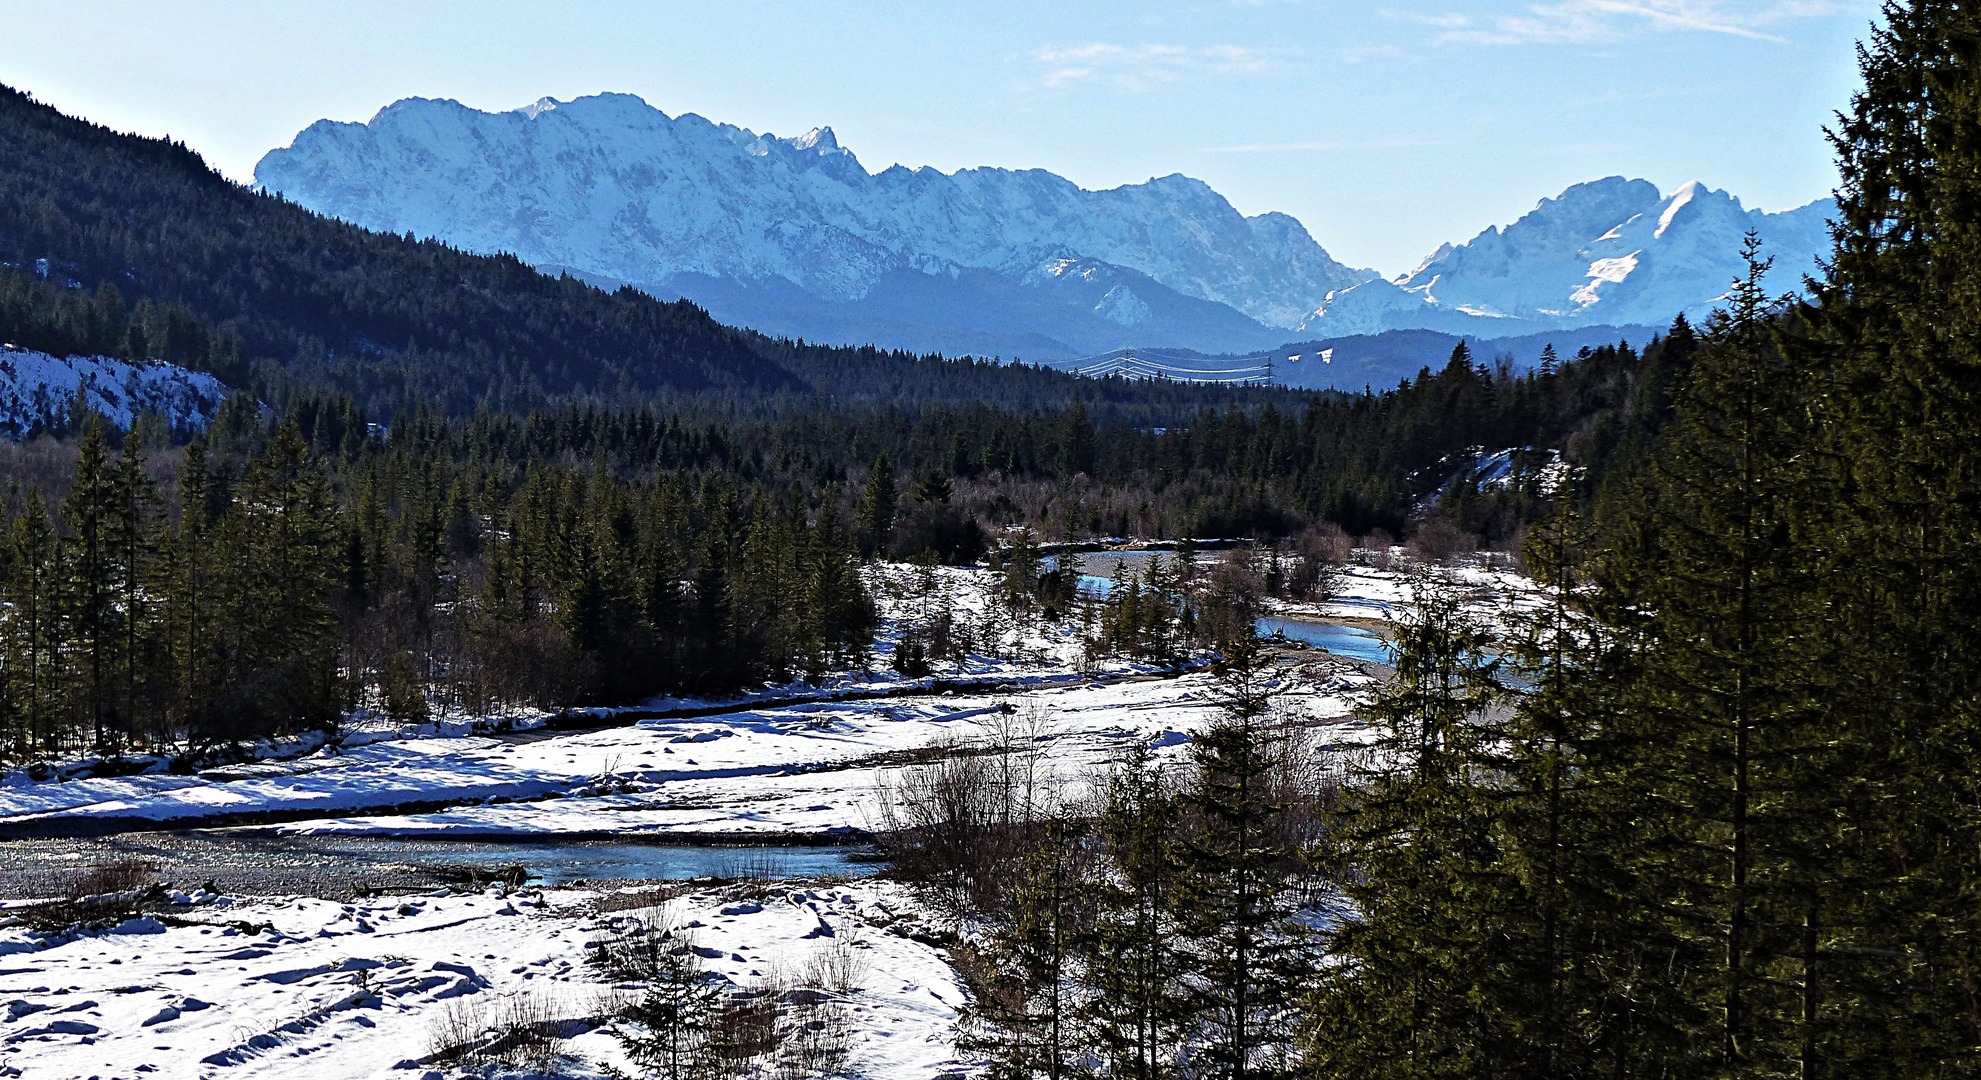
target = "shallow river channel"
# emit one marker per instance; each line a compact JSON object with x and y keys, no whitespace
{"x":244,"y":863}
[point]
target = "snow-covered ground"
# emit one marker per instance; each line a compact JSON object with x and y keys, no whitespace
{"x":294,"y":987}
{"x":811,"y":768}
{"x":1364,"y":592}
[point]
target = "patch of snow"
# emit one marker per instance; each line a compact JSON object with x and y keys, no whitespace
{"x":37,"y":390}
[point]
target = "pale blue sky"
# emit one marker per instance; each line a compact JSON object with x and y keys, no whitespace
{"x":1384,"y":127}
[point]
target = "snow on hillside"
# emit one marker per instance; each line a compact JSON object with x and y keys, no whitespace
{"x":1611,"y":251}
{"x":613,"y":188}
{"x":38,"y":390}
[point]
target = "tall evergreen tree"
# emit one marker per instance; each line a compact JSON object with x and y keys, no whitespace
{"x":1418,"y":848}
{"x":1721,"y":729}
{"x":1230,"y":897}
{"x":1033,"y":1009}
{"x":1899,"y":399}
{"x":288,"y":645}
{"x":88,"y":514}
{"x":132,"y":534}
{"x":34,"y":637}
{"x":1133,"y":1013}
{"x":877,"y":506}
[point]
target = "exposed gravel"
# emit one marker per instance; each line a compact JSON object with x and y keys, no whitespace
{"x":238,"y":865}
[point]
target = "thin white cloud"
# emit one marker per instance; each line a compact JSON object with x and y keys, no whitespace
{"x":1139,"y":67}
{"x":1582,"y":21}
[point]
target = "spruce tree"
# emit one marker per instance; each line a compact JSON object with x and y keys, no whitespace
{"x":1899,"y":399}
{"x":1730,"y":747}
{"x":1033,"y":1009}
{"x":877,"y":505}
{"x":90,"y":603}
{"x":1230,"y":898}
{"x":663,"y":566}
{"x":1417,"y":848}
{"x":676,"y":1012}
{"x":133,"y":537}
{"x":287,"y":636}
{"x":1134,"y":1002}
{"x":34,"y":635}
{"x":191,"y":598}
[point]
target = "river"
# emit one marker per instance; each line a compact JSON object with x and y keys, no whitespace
{"x":258,"y":863}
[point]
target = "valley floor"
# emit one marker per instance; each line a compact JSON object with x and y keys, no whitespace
{"x":266,"y":985}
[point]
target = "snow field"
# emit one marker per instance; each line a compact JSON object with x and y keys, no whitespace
{"x":822,"y":768}
{"x":282,"y":988}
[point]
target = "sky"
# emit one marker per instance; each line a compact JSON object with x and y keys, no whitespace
{"x":1386,"y":126}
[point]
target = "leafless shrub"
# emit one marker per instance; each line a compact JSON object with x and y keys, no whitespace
{"x":456,"y":1034}
{"x":750,"y":866}
{"x":520,"y":1029}
{"x":1317,"y":552}
{"x":637,"y":946}
{"x":817,"y":1026}
{"x":1306,"y":780}
{"x":1375,"y":550}
{"x":746,"y":1026}
{"x":121,"y":875}
{"x":958,"y":825}
{"x":1439,"y":542}
{"x":837,"y":968}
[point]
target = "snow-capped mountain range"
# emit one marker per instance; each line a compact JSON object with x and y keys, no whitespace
{"x":794,"y":236}
{"x":1610,"y":251}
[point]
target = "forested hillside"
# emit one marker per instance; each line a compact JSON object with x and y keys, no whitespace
{"x":132,"y":248}
{"x":104,"y":232}
{"x":283,"y":568}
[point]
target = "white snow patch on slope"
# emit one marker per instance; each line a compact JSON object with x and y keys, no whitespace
{"x":37,"y":390}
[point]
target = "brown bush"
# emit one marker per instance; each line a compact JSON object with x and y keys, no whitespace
{"x":122,"y":875}
{"x":1439,"y":542}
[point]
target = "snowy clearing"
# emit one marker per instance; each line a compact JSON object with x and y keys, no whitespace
{"x":277,"y":988}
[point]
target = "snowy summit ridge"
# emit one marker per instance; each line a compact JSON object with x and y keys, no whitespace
{"x":753,"y":224}
{"x":793,"y":236}
{"x":1613,"y":251}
